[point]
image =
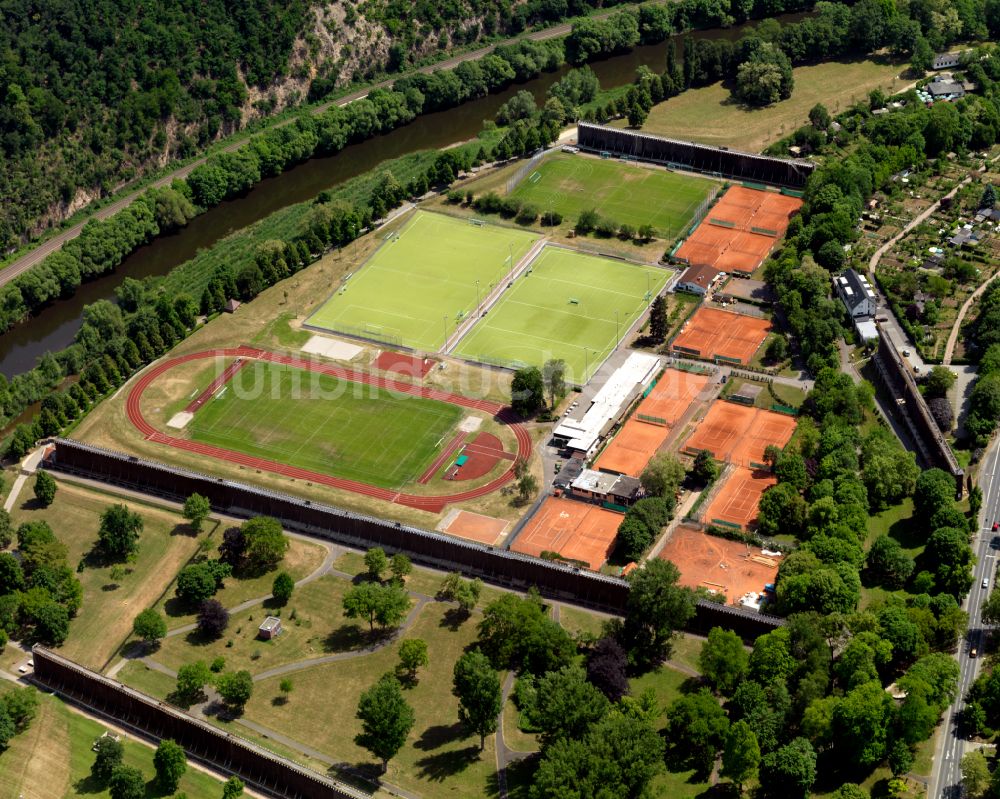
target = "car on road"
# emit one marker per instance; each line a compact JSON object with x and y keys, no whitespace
{"x":996,"y":526}
{"x":986,"y":582}
{"x":973,"y":652}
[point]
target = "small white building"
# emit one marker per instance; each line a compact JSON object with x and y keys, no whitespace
{"x":269,"y":628}
{"x":856,"y":293}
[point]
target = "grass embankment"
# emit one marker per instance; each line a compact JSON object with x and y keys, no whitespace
{"x":709,"y":115}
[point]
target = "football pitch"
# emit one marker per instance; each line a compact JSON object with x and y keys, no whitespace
{"x":635,"y":195}
{"x":317,"y":422}
{"x":569,"y":305}
{"x":418,"y":285}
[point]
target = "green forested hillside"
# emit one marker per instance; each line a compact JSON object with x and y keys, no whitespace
{"x":87,"y":87}
{"x":94,"y":92}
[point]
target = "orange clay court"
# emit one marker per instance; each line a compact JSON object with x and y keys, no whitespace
{"x":576,"y":530}
{"x":637,"y":441}
{"x":726,"y":567}
{"x":739,"y":434}
{"x":740,"y":230}
{"x":712,"y":332}
{"x":738,"y":497}
{"x":473,"y":526}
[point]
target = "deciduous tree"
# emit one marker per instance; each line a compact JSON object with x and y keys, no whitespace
{"x":45,"y":488}
{"x":196,"y":510}
{"x":386,"y":719}
{"x":170,"y":764}
{"x":477,"y":687}
{"x":119,"y":531}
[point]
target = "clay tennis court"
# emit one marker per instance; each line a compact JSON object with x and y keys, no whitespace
{"x":739,"y":434}
{"x":638,"y":440}
{"x":473,"y":526}
{"x":398,"y":362}
{"x":726,"y":567}
{"x":712,"y":332}
{"x":576,"y":530}
{"x":738,"y":497}
{"x":740,"y":230}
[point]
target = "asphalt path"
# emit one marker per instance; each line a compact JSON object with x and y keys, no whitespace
{"x":946,"y":780}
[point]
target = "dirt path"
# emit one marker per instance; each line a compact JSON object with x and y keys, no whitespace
{"x":956,"y":328}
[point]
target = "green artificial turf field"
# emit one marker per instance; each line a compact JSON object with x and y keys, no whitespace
{"x":538,"y":319}
{"x":318,"y":422}
{"x":635,"y":195}
{"x":417,"y":285}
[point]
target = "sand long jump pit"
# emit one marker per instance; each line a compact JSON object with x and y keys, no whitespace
{"x":739,"y":434}
{"x":738,"y":498}
{"x":643,"y":434}
{"x":576,"y":530}
{"x":712,"y":333}
{"x":725,"y":567}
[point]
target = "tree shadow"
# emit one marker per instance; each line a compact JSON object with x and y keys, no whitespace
{"x":273,"y":603}
{"x":176,"y":607}
{"x":440,"y":767}
{"x":439,"y":735}
{"x":346,"y":638}
{"x":362,"y":775}
{"x":907,"y":533}
{"x":198,"y":638}
{"x":520,"y":775}
{"x":87,"y":785}
{"x":185,"y":529}
{"x":453,"y":618}
{"x":279,"y":701}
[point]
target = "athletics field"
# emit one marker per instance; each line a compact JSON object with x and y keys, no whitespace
{"x":635,"y":195}
{"x":422,"y":281}
{"x":317,"y":422}
{"x":567,"y":305}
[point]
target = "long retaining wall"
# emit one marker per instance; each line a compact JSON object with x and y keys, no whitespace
{"x":791,"y":173}
{"x":255,"y":765}
{"x":934,"y":448}
{"x":497,"y":566}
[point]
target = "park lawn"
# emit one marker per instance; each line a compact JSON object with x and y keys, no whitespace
{"x":420,"y":580}
{"x":687,"y":650}
{"x":151,"y":682}
{"x":636,"y":195}
{"x":319,"y":628}
{"x":569,"y":305}
{"x":417,"y":286}
{"x":896,"y":522}
{"x":302,"y":559}
{"x":514,"y":736}
{"x":576,"y":621}
{"x":105,"y":618}
{"x":439,"y":758}
{"x":710,"y":116}
{"x":52,"y":758}
{"x":317,"y":422}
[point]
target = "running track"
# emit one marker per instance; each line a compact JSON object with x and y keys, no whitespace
{"x":432,"y":504}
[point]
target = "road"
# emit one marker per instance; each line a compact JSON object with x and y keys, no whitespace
{"x":947,"y":777}
{"x":55,"y":243}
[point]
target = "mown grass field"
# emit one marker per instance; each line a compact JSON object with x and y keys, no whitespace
{"x":571,"y":306}
{"x":710,"y":116}
{"x":635,"y":195}
{"x":418,"y":286}
{"x":52,"y":758}
{"x":318,"y":422}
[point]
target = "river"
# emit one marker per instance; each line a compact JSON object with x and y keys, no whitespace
{"x":55,"y":327}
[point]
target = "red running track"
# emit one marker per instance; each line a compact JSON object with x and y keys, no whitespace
{"x":446,"y":453}
{"x":432,"y":504}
